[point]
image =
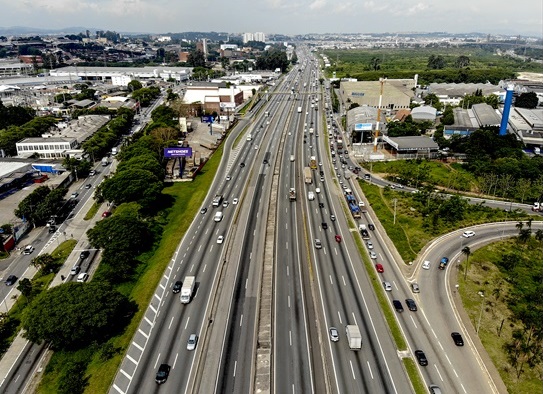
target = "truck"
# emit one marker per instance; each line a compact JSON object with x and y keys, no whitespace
{"x":307,"y":175}
{"x":313,"y":162}
{"x":443,"y":263}
{"x":353,"y":205}
{"x":311,"y":130}
{"x":292,"y":194}
{"x":105,"y":162}
{"x":354,"y":337}
{"x":217,"y":200}
{"x":299,"y":110}
{"x":218,"y":216}
{"x":363,"y":231}
{"x":249,"y":137}
{"x":339,"y":144}
{"x":187,"y":289}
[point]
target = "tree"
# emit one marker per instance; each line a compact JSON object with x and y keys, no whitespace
{"x":196,"y":59}
{"x":375,"y":64}
{"x":44,"y":262}
{"x":527,"y":100}
{"x":353,"y":105}
{"x":467,"y":252}
{"x":134,"y":85}
{"x":436,"y":62}
{"x":73,"y":315}
{"x":73,"y":378}
{"x":432,"y":100}
{"x":137,"y":185}
{"x":462,"y":61}
{"x":25,"y":287}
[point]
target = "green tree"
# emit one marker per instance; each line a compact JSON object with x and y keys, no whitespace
{"x":73,"y":378}
{"x":462,"y":61}
{"x":196,"y":59}
{"x":375,"y":64}
{"x":467,"y":252}
{"x":527,"y":100}
{"x":44,"y":262}
{"x":137,"y":185}
{"x":432,"y":100}
{"x":25,"y":287}
{"x":134,"y":85}
{"x":73,"y":315}
{"x":436,"y":62}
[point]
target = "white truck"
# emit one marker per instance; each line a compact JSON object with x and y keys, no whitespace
{"x":217,"y":200}
{"x":292,"y":194}
{"x":354,"y":337}
{"x":187,"y":289}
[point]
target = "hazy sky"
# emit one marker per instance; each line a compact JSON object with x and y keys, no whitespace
{"x":279,"y":16}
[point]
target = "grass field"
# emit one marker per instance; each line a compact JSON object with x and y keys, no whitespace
{"x":483,"y":276}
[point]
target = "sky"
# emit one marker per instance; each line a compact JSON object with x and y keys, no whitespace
{"x":524,"y":17}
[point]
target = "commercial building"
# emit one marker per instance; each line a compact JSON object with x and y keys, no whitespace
{"x":212,"y":98}
{"x":397,"y":94}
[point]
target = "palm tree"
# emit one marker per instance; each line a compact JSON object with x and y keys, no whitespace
{"x":467,"y":251}
{"x":519,"y":225}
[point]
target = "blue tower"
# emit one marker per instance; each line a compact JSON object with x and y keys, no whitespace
{"x":506,"y":109}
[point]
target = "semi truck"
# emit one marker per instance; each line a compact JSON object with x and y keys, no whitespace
{"x":292,"y":194}
{"x":307,"y":175}
{"x":187,"y":289}
{"x":313,"y":162}
{"x":354,"y":337}
{"x":353,"y":205}
{"x":217,"y":200}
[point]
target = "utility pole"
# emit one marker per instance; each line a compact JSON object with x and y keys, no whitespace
{"x":382,"y":82}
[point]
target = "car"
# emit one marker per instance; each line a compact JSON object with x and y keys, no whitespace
{"x":457,"y":338}
{"x":82,"y":277}
{"x":28,"y":249}
{"x":335,"y":168}
{"x":88,"y":186}
{"x":322,"y":179}
{"x":225,"y":204}
{"x":324,"y":225}
{"x":10,"y":280}
{"x":367,"y":177}
{"x":74,"y":195}
{"x":426,"y":265}
{"x":177,"y":287}
{"x":52,"y":229}
{"x":345,"y":187}
{"x":411,"y":305}
{"x":468,"y":234}
{"x":320,"y":163}
{"x":343,"y":166}
{"x":338,"y":238}
{"x":371,"y":227}
{"x":84,"y":254}
{"x":242,"y":164}
{"x":318,"y":190}
{"x":92,"y":173}
{"x":399,"y":186}
{"x":334,"y":334}
{"x":235,"y":201}
{"x":321,"y":173}
{"x":387,"y":286}
{"x":265,"y":161}
{"x":340,"y":181}
{"x":361,"y":204}
{"x":415,"y":288}
{"x":333,"y":218}
{"x":162,"y":374}
{"x":379,"y":268}
{"x":369,"y":244}
{"x":192,"y":342}
{"x":373,"y":255}
{"x":228,"y":177}
{"x":318,"y":244}
{"x":75,"y":269}
{"x":256,"y":147}
{"x":434,"y":389}
{"x":203,"y":210}
{"x":397,"y":305}
{"x":346,"y":152}
{"x":106,"y":214}
{"x":220,"y":239}
{"x":421,"y":357}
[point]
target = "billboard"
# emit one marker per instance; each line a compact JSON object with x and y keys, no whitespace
{"x":207,"y":118}
{"x":177,"y":152}
{"x":362,"y":126}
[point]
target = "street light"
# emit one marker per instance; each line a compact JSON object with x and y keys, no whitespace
{"x":481,"y":312}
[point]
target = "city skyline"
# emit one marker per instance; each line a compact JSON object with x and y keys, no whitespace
{"x":278,"y":16}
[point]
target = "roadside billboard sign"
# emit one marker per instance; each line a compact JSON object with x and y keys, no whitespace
{"x":178,"y":152}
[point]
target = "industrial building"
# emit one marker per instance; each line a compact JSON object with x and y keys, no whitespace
{"x":411,"y":147}
{"x":212,"y":98}
{"x":362,"y":123}
{"x":397,"y":93}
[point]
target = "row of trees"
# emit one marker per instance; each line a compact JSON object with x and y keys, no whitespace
{"x":14,"y":133}
{"x":271,"y":59}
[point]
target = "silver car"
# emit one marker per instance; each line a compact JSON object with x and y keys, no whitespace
{"x":334,"y":334}
{"x":191,"y":343}
{"x":387,"y":286}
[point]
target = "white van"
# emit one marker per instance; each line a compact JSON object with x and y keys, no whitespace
{"x":218,"y":216}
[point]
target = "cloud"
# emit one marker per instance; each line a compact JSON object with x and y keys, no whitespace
{"x":317,"y":4}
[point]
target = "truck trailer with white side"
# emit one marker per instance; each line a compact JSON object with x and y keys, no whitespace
{"x":354,"y":337}
{"x":187,"y":289}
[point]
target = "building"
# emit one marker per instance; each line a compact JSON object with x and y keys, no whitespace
{"x":486,"y":115}
{"x":424,"y":113}
{"x":211,"y":98}
{"x":411,"y":147}
{"x":362,"y":123}
{"x":397,"y":94}
{"x":113,"y":74}
{"x":259,"y":36}
{"x":202,"y":47}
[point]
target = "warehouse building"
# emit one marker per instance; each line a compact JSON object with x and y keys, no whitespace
{"x":397,"y":94}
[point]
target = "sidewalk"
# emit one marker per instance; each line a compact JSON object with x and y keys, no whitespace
{"x":76,"y":228}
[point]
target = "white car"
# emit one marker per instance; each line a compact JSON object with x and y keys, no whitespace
{"x":320,"y":163}
{"x":256,"y":147}
{"x":235,"y":201}
{"x":192,"y":342}
{"x":82,"y":277}
{"x":28,"y":249}
{"x":373,"y":255}
{"x":220,"y":239}
{"x":317,"y":190}
{"x":361,"y":204}
{"x":468,"y":234}
{"x":426,"y":265}
{"x":228,"y":177}
{"x":225,"y":204}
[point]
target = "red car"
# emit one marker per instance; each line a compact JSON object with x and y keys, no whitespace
{"x":106,"y":214}
{"x":338,"y":238}
{"x":379,"y":268}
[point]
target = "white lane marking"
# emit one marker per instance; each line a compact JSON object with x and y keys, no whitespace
{"x":454,"y":370}
{"x":142,"y":333}
{"x":288,"y":274}
{"x":335,"y":250}
{"x":124,"y":373}
{"x":290,"y":337}
{"x":369,"y":368}
{"x":171,"y":322}
{"x":413,"y":320}
{"x":461,"y":385}
{"x":288,"y":301}
{"x":137,"y":346}
{"x":156,"y":295}
{"x":354,"y":318}
{"x":331,"y":281}
{"x":241,"y":321}
{"x":433,"y":332}
{"x":286,"y":226}
{"x":235,"y":366}
{"x":175,"y":361}
{"x":339,"y":316}
{"x":447,"y":357}
{"x":352,"y":369}
{"x":156,"y":362}
{"x":187,"y":323}
{"x":396,"y":286}
{"x":178,"y":268}
{"x":246,"y":283}
{"x":204,"y":268}
{"x":437,"y":370}
{"x":211,"y":248}
{"x":440,"y":345}
{"x":185,"y":255}
{"x":128,"y":356}
{"x":286,"y":245}
{"x":343,"y":277}
{"x":148,"y":321}
{"x":324,"y":250}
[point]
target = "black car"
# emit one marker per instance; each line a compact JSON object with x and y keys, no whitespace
{"x":322,"y":173}
{"x":84,"y":254}
{"x":421,"y":357}
{"x":10,"y":281}
{"x":411,"y":305}
{"x":457,"y":338}
{"x":321,"y":205}
{"x":177,"y":287}
{"x":265,"y":161}
{"x":163,"y":373}
{"x":371,"y":227}
{"x":52,"y":229}
{"x":242,"y":164}
{"x":397,"y":305}
{"x":324,"y":226}
{"x":203,"y":210}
